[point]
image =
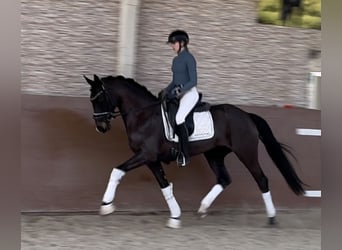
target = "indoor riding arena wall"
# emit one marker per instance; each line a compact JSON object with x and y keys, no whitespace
{"x":66,"y":163}
{"x":239,"y":60}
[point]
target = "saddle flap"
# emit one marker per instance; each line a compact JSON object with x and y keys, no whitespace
{"x":203,"y":126}
{"x":171,"y":107}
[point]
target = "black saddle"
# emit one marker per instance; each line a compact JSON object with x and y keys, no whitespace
{"x":171,"y":106}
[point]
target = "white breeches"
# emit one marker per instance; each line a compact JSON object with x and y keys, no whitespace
{"x":186,"y":104}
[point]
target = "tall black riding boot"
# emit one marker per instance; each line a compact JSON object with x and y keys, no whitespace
{"x":183,"y":145}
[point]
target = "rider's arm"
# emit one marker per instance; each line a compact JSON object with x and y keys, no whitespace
{"x":192,"y":71}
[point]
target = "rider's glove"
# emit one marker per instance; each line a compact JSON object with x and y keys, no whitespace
{"x":177,"y":91}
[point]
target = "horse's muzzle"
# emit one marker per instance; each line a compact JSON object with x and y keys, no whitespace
{"x":102,"y":127}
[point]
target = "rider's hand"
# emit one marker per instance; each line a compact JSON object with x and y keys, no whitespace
{"x":177,"y":91}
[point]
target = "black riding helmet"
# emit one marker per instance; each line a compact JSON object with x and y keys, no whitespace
{"x":178,"y":36}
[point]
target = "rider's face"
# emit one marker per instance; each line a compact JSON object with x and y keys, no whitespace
{"x":175,"y":46}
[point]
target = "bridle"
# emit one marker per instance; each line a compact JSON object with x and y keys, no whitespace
{"x":107,"y":115}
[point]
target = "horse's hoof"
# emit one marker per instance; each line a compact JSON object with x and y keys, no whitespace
{"x":107,"y":209}
{"x":202,"y":215}
{"x":174,"y":223}
{"x":202,"y":211}
{"x":272,"y":221}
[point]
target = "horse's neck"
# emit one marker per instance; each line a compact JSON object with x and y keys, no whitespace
{"x":136,"y":110}
{"x":130,"y":101}
{"x":133,"y":103}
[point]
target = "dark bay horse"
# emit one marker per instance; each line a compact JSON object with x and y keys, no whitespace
{"x":235,"y":131}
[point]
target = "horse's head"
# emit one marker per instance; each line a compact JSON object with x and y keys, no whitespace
{"x":103,"y":105}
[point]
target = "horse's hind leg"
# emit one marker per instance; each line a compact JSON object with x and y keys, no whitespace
{"x":248,"y":155}
{"x":166,"y":188}
{"x":215,"y":158}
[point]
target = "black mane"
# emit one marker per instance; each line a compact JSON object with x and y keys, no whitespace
{"x":130,"y":83}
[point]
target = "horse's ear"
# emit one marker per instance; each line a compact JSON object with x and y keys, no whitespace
{"x":88,"y":80}
{"x":96,"y":78}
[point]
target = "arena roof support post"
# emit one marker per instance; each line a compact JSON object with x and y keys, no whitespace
{"x":127,"y":34}
{"x":314,"y":90}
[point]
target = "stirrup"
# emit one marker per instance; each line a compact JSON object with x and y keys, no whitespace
{"x":181,"y":160}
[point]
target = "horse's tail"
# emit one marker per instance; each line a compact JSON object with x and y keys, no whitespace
{"x":276,"y":152}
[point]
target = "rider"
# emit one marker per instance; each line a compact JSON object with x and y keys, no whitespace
{"x":182,"y":87}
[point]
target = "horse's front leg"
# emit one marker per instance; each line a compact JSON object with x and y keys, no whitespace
{"x":166,"y":188}
{"x":107,"y":206}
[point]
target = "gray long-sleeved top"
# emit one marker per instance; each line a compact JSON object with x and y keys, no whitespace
{"x":184,"y":72}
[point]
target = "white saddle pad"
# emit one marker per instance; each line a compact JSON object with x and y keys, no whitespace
{"x":203,"y":122}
